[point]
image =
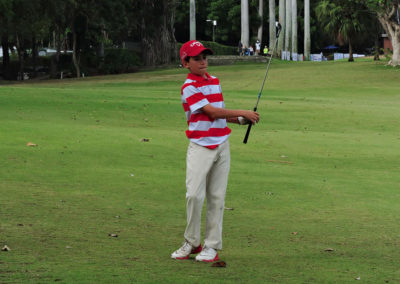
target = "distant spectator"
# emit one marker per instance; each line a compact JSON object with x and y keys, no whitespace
{"x":258,"y":47}
{"x":251,"y":50}
{"x":240,"y":48}
{"x":246,"y":51}
{"x":265,"y":50}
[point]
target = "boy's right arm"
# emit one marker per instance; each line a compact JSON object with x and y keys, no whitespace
{"x":230,"y":115}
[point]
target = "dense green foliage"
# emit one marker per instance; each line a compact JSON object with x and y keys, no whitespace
{"x":344,"y":20}
{"x":119,"y":61}
{"x":85,"y":27}
{"x":218,"y":48}
{"x":89,"y":27}
{"x":114,"y":61}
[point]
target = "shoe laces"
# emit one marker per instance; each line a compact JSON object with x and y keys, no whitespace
{"x":186,"y":247}
{"x":208,"y":251}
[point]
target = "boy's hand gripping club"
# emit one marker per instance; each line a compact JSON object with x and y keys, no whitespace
{"x":278,"y":31}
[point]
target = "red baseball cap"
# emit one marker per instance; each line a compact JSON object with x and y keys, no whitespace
{"x":193,"y":48}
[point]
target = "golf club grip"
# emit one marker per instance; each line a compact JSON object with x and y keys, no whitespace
{"x":247,"y":134}
{"x":246,"y":137}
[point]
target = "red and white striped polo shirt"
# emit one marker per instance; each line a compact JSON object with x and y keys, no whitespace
{"x":196,"y":93}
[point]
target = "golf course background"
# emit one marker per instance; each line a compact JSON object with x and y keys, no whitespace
{"x":312,"y":198}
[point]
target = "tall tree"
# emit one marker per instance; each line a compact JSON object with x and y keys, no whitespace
{"x":157,"y":32}
{"x":79,"y":13}
{"x":282,"y":20}
{"x":272,"y":33}
{"x":288,"y":25}
{"x":28,"y":24}
{"x":307,"y":34}
{"x":294,"y":26}
{"x":341,"y":18}
{"x":245,"y":22}
{"x":389,"y":16}
{"x":6,"y":15}
{"x":261,"y":15}
{"x":228,"y":15}
{"x":60,"y":21}
{"x":192,"y":23}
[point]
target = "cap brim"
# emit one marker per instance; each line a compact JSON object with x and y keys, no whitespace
{"x":205,"y":51}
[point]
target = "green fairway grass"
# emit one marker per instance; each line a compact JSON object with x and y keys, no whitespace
{"x":315,"y":192}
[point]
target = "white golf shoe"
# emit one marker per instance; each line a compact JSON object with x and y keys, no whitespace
{"x":208,"y":255}
{"x":185,"y":251}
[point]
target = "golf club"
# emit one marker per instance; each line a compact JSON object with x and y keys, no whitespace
{"x":278,"y":30}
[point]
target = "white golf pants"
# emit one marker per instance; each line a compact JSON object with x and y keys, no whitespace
{"x":207,"y":174}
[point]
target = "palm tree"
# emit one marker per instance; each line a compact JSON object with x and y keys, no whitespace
{"x":261,"y":14}
{"x":282,"y":20}
{"x":192,"y":19}
{"x":272,"y":34}
{"x":294,"y":26}
{"x":341,"y":18}
{"x":288,"y":25}
{"x":245,"y":22}
{"x":307,"y":35}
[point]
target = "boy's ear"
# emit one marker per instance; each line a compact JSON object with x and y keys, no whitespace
{"x":185,"y":64}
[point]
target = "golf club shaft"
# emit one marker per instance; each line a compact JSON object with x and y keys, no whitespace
{"x":246,"y":137}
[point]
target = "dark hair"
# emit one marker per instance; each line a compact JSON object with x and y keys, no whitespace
{"x":187,"y":59}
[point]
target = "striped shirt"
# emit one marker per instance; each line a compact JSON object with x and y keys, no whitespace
{"x":198,"y":92}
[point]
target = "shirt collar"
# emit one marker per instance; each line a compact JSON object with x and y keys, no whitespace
{"x":198,"y":78}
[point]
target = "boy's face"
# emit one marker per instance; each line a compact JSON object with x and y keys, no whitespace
{"x":197,"y":65}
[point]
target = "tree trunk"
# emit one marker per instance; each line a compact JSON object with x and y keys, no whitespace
{"x":245,"y":23}
{"x":307,"y":34}
{"x":168,"y":40}
{"x":101,"y":50}
{"x":21,"y":56}
{"x":75,"y":54}
{"x":261,"y":14}
{"x":294,"y":26}
{"x":288,"y":30}
{"x":396,"y":47}
{"x":6,"y":56}
{"x":351,"y":59}
{"x":272,"y":27}
{"x":55,"y":58}
{"x":376,"y":52}
{"x":392,"y":28}
{"x":34,"y":56}
{"x":159,"y":46}
{"x":102,"y":43}
{"x":282,"y":21}
{"x":192,"y":23}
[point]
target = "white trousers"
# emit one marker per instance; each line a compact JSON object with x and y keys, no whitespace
{"x":207,"y":174}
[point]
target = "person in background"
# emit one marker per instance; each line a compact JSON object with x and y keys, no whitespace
{"x":265,"y":51}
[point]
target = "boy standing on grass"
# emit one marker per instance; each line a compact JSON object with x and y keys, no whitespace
{"x":208,"y":154}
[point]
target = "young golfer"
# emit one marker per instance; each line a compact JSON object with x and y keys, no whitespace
{"x":208,"y":154}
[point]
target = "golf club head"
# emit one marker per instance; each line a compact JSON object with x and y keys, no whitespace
{"x":278,"y":29}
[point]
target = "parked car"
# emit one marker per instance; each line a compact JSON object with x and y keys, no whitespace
{"x":46,"y":51}
{"x":50,"y":51}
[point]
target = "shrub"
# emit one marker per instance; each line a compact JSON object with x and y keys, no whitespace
{"x":118,"y":61}
{"x":220,"y":49}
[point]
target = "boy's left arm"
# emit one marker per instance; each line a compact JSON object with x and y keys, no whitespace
{"x":238,"y":120}
{"x":241,"y":116}
{"x":233,"y":120}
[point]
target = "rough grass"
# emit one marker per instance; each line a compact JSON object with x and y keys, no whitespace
{"x":314,"y":192}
